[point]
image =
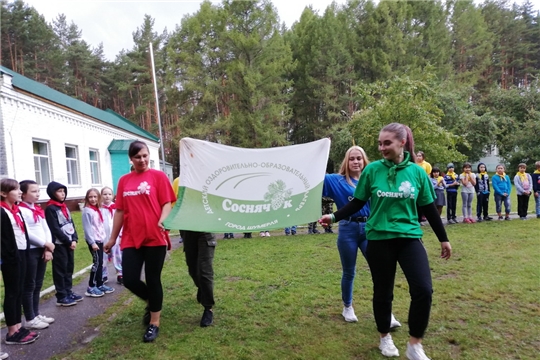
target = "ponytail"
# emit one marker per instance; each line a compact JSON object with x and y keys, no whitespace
{"x":409,"y":145}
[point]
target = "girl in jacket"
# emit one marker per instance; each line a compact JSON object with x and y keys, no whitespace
{"x":502,"y":188}
{"x":523,"y":184}
{"x":94,"y":232}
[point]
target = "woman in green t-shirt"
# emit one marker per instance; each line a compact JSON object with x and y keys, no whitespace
{"x":397,"y":187}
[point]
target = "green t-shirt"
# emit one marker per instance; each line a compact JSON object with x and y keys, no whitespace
{"x":393,"y":203}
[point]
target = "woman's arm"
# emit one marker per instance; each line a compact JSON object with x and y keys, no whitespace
{"x":432,"y":215}
{"x":165,"y":211}
{"x":352,"y":207}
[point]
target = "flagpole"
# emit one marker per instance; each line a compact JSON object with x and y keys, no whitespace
{"x":162,"y":145}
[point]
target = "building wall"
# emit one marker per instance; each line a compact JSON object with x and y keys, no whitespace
{"x":25,"y":119}
{"x":120,"y":166}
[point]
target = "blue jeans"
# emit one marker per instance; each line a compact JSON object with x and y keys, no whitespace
{"x":351,"y":237}
{"x":537,"y":199}
{"x":502,"y":199}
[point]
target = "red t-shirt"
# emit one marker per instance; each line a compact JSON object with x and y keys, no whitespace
{"x":141,"y":196}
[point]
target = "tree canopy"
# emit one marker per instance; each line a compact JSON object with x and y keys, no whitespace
{"x":462,"y":75}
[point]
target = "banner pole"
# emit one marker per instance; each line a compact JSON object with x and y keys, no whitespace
{"x":161,"y":142}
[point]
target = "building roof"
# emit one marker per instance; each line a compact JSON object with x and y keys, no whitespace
{"x":119,"y":146}
{"x":107,"y":116}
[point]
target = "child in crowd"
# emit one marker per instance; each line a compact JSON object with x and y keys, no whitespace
{"x":39,"y":253}
{"x":502,"y":188}
{"x":13,"y":254}
{"x":536,"y":187}
{"x":482,"y":193}
{"x":65,"y":239}
{"x":468,"y":180}
{"x":290,"y":230}
{"x":439,"y":185}
{"x":523,"y":184}
{"x":109,"y":208}
{"x":94,"y":232}
{"x":452,"y":184}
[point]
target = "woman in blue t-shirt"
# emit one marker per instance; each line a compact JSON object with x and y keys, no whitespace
{"x":352,"y":232}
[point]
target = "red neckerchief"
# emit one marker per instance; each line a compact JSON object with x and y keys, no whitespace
{"x":36,"y":210}
{"x":14,"y":210}
{"x":95,"y":208}
{"x":110,"y":208}
{"x":61,"y":205}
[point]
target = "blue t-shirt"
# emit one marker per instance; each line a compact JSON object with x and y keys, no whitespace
{"x":337,"y":187}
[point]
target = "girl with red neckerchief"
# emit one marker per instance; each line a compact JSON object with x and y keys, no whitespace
{"x":109,"y":208}
{"x":40,"y":253}
{"x":13,"y":254}
{"x":94,"y":232}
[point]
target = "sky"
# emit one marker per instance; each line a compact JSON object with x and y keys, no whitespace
{"x":112,"y":22}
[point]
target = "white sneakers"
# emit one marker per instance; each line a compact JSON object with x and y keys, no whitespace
{"x":348,"y":314}
{"x":43,"y":318}
{"x":387,"y":346}
{"x":416,"y":352}
{"x":394,"y":323}
{"x":264,"y":233}
{"x":36,"y":324}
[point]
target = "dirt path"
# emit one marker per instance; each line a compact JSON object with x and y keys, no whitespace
{"x":71,"y":329}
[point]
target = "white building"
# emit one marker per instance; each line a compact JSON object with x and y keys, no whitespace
{"x":48,"y":136}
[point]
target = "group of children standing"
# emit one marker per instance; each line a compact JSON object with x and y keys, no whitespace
{"x":479,"y":183}
{"x":32,"y":237}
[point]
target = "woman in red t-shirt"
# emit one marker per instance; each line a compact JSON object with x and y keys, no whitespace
{"x":143,"y":202}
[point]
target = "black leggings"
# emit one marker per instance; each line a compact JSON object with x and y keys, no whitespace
{"x":383,"y":257}
{"x":153,"y":258}
{"x":13,"y":277}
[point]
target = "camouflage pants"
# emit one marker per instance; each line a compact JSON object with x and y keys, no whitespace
{"x":327,"y":208}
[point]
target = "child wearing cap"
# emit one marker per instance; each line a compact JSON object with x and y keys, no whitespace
{"x":452,"y":184}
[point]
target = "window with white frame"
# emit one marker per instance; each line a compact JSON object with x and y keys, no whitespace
{"x":94,"y":167}
{"x":42,"y":166}
{"x":72,"y":165}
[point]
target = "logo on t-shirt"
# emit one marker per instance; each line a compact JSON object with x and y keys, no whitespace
{"x":143,"y":189}
{"x":406,"y":191}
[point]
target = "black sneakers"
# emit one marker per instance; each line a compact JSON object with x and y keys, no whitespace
{"x":152,"y":332}
{"x":21,"y":337}
{"x":207,"y":318}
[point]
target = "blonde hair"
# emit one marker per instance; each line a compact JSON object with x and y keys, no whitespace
{"x":86,"y":202}
{"x":344,"y":168}
{"x":105,"y":188}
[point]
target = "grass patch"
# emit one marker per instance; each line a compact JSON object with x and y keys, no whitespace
{"x":279,"y":298}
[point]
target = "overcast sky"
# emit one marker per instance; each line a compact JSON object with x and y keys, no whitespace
{"x":112,"y":22}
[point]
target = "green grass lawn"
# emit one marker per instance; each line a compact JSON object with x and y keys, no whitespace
{"x":279,"y":298}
